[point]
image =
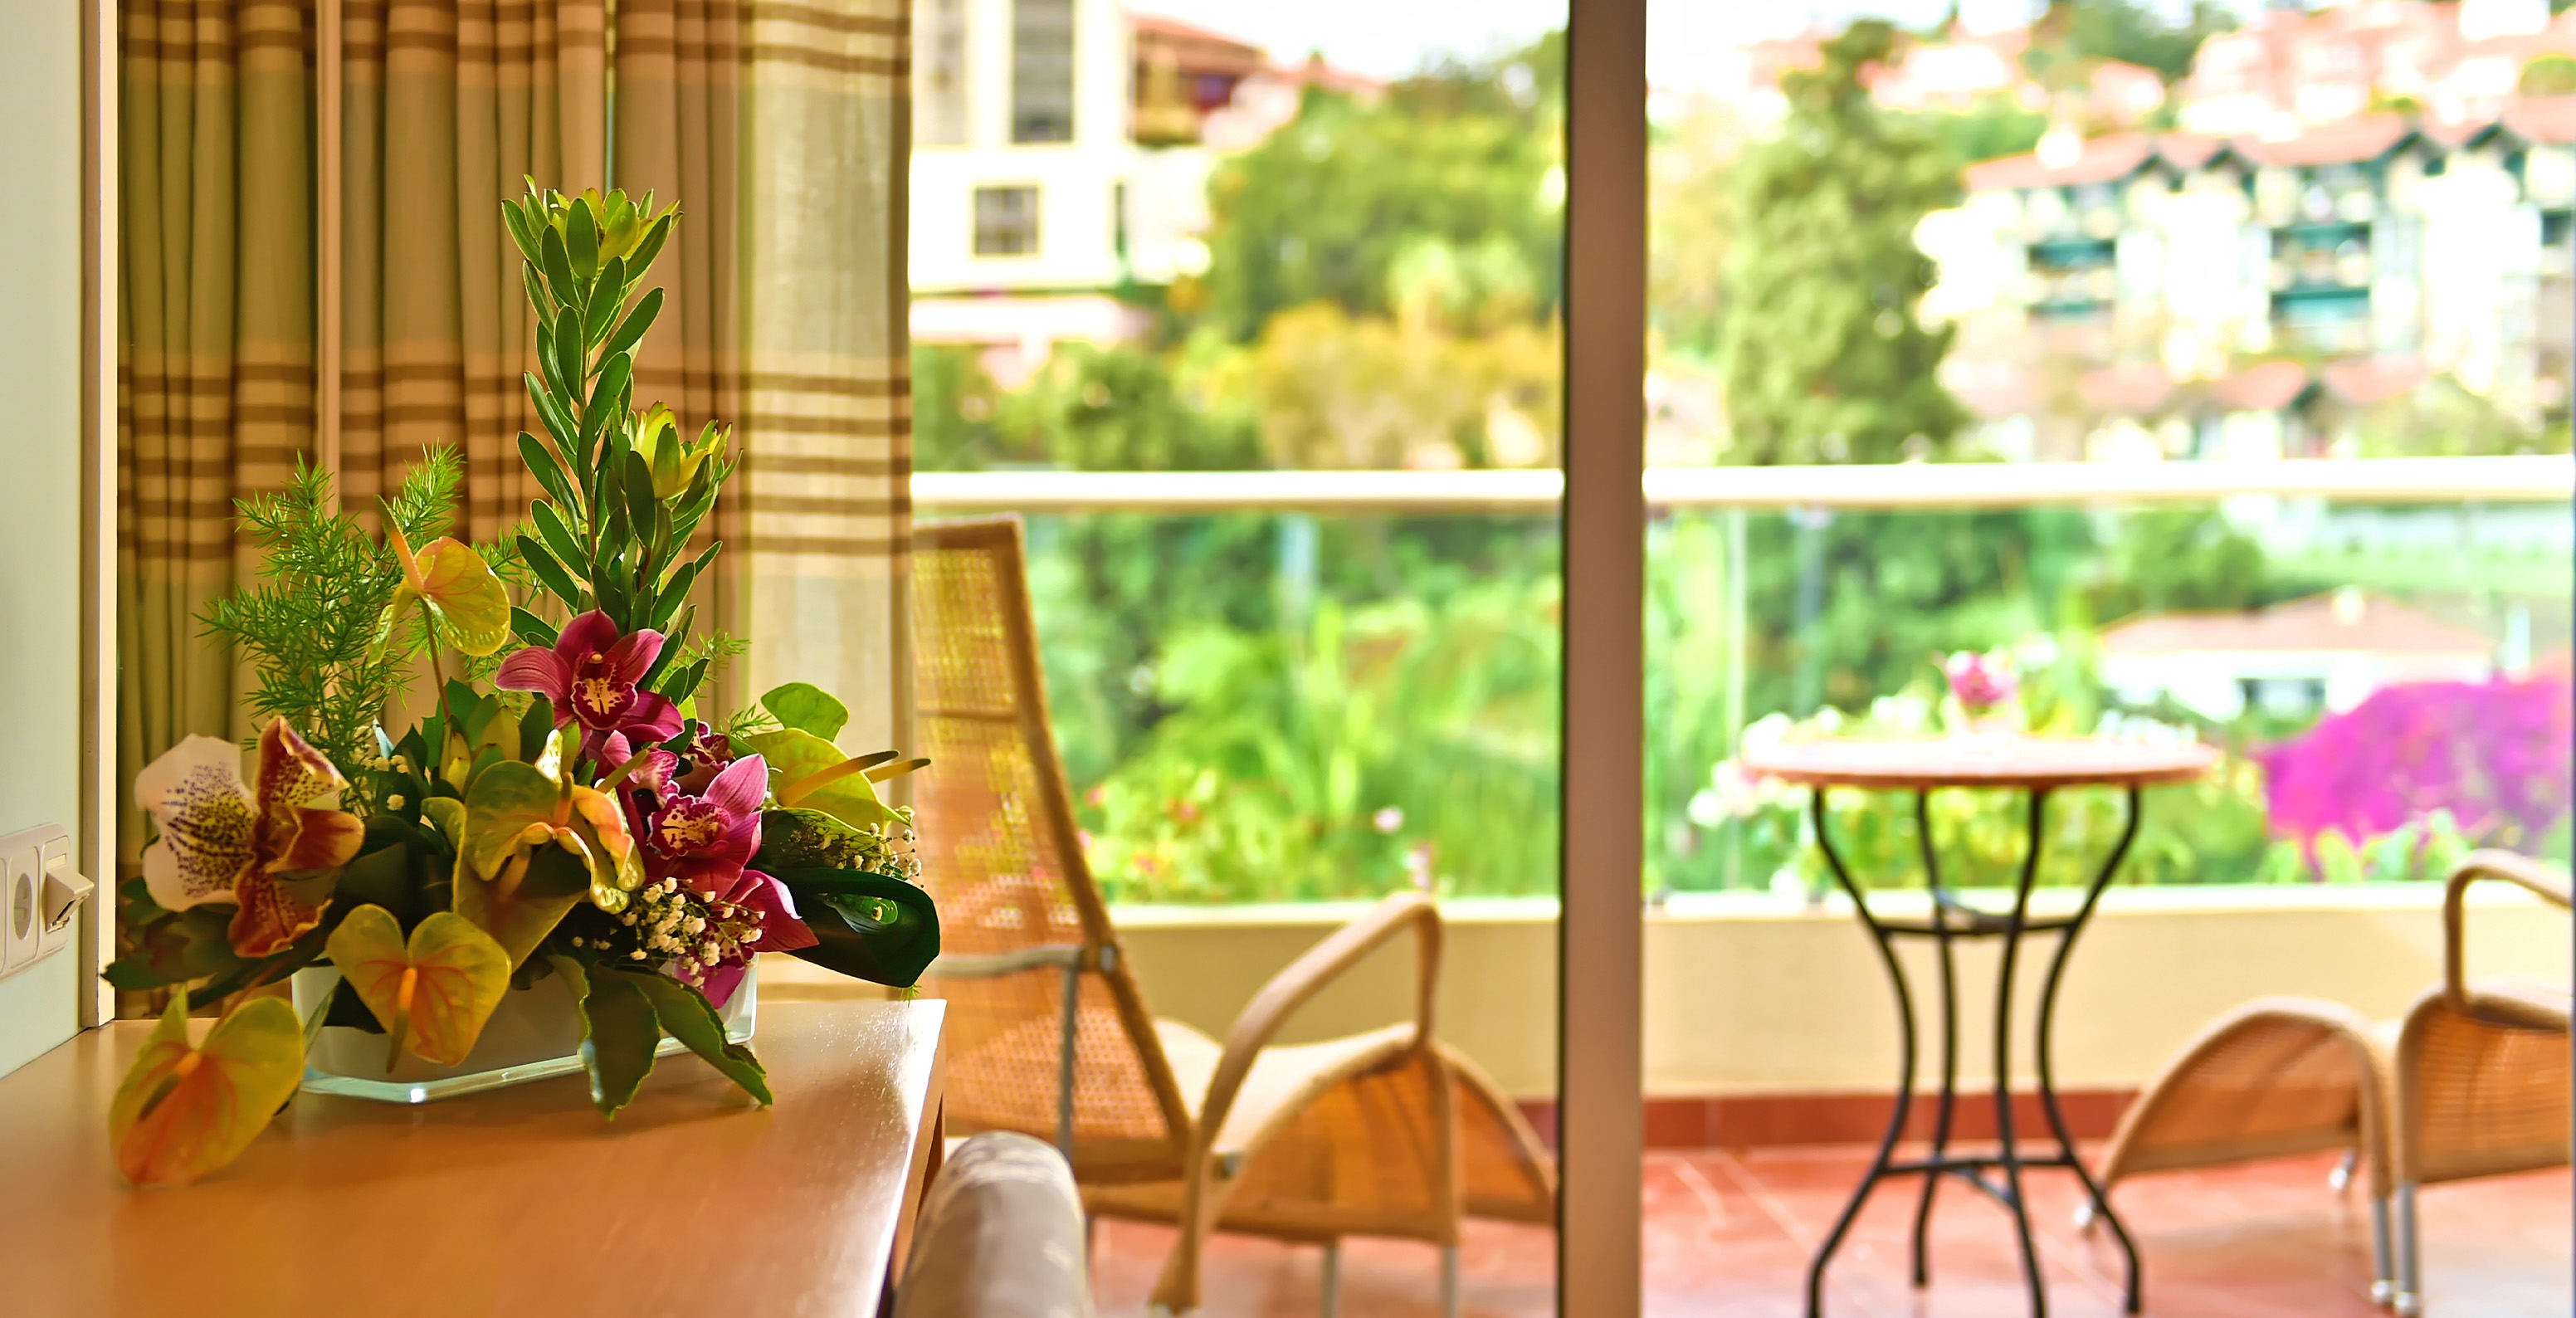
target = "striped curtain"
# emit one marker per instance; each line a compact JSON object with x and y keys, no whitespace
{"x":781,"y":129}
{"x":216,"y":364}
{"x":828,"y":406}
{"x":448,"y":106}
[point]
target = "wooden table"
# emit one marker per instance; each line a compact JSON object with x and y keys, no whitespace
{"x":522,"y":1201}
{"x":1923,"y":765}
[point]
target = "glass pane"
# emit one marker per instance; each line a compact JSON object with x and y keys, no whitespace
{"x":1320,"y":240}
{"x":2078,"y":261}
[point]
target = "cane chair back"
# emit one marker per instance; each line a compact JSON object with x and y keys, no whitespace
{"x":1002,"y":854}
{"x":2482,"y":1068}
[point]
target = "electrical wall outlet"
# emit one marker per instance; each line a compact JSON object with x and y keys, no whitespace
{"x":61,"y":890}
{"x":39,"y":912}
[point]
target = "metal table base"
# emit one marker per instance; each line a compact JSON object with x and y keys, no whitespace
{"x":1952,"y":919}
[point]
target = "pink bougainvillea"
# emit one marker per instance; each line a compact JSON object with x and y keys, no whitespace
{"x":2494,"y":754}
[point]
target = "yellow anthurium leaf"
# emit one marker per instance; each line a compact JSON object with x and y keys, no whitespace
{"x":459,"y":587}
{"x":433,"y":993}
{"x":184,"y":1111}
{"x":806,"y":770}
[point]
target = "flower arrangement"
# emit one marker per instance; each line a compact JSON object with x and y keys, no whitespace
{"x":565,"y":811}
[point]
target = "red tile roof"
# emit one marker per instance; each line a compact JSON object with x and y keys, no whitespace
{"x":2362,"y":137}
{"x":2135,"y":387}
{"x":2543,"y":118}
{"x":2105,"y":160}
{"x":2367,"y":380}
{"x":2265,"y":388}
{"x":2370,"y":625}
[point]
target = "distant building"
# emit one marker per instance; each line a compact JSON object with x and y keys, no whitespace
{"x":2286,"y":68}
{"x":1966,"y":69}
{"x":1061,"y":151}
{"x":2323,"y":654}
{"x":2157,"y":272}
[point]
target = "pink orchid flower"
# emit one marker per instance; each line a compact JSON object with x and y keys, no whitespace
{"x":705,"y":840}
{"x":591,"y":675}
{"x":777,"y":929}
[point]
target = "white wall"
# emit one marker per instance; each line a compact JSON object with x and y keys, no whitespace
{"x":1756,"y":994}
{"x":40,"y":251}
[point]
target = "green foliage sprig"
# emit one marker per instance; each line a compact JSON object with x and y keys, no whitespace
{"x":623,"y":493}
{"x":311,"y":626}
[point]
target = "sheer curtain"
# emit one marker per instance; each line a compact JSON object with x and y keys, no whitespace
{"x":781,"y":130}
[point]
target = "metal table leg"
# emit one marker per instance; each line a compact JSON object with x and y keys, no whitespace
{"x":2007,"y":1157}
{"x":1904,"y":1072}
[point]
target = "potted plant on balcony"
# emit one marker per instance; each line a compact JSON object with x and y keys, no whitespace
{"x":559,"y":864}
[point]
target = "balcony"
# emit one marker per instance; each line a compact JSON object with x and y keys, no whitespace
{"x":1399,"y":660}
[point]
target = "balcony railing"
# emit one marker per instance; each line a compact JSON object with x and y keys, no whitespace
{"x":2540,"y":478}
{"x":1248,"y":673}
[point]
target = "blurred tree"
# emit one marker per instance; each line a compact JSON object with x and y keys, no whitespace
{"x":1692,"y":217}
{"x":1121,"y":409}
{"x":1461,"y":158}
{"x":2129,"y":31}
{"x":2548,"y":75}
{"x":1337,"y":390}
{"x":1824,"y":357}
{"x":2444,"y":418}
{"x":1999,"y":126}
{"x":2173,"y":559}
{"x":953,"y":402}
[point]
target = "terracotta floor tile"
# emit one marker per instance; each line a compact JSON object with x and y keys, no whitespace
{"x":1729,"y":1234}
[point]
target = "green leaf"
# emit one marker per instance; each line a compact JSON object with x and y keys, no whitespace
{"x":630,"y":331}
{"x":548,"y":472}
{"x":684,"y":683}
{"x":558,"y":421}
{"x":551,"y":573}
{"x":637,"y":477}
{"x":807,"y":706}
{"x":619,"y":1034}
{"x":558,"y":537}
{"x":535,"y":288}
{"x":795,"y":755}
{"x":536,"y":724}
{"x":874,"y":927}
{"x":523,"y":231}
{"x":557,"y":263}
{"x":381,"y":877}
{"x":448,"y":813}
{"x":687,"y":1016}
{"x":532,"y":630}
{"x":670,"y":597}
{"x":604,"y":297}
{"x":570,"y":358}
{"x":608,"y":397}
{"x":511,"y":893}
{"x":650,"y":246}
{"x":581,"y":236}
{"x":550,"y":367}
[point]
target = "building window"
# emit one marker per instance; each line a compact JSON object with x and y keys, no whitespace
{"x":1006,"y":221}
{"x":1042,"y":71}
{"x":939,"y":88}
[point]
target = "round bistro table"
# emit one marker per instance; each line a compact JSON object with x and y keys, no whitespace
{"x":1921,"y":765}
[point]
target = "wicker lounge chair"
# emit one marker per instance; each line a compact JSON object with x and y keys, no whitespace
{"x":2481,"y":1070}
{"x":2474,"y":1081}
{"x":1388,"y":1133}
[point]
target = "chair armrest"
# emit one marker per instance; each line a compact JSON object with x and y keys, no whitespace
{"x":2521,"y":871}
{"x":1308,"y":975}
